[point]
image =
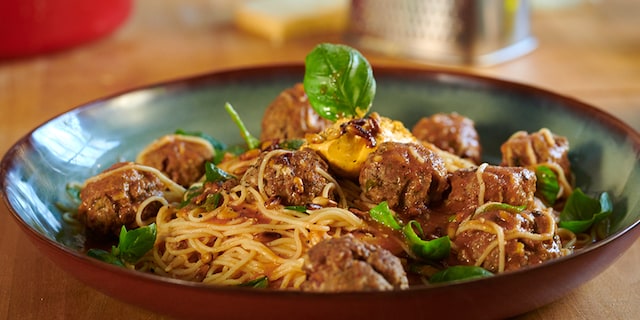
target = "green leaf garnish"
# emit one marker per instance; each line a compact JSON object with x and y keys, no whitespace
{"x":261,"y":282}
{"x":252,"y":142}
{"x":492,"y":206}
{"x":132,"y":245}
{"x":293,"y":144}
{"x":338,"y":81}
{"x":582,"y":211}
{"x":214,"y":174}
{"x":435,"y":249}
{"x":459,"y":273}
{"x":136,"y":243}
{"x":212,"y":201}
{"x":302,"y":209}
{"x":383,"y":215}
{"x":547,"y":186}
{"x":105,"y":256}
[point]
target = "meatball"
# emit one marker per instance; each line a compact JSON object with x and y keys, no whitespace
{"x":291,"y":116}
{"x":406,"y":175}
{"x":452,"y":133}
{"x":523,"y":149}
{"x":290,"y":177}
{"x":519,"y":251}
{"x":112,"y":198}
{"x":349,"y":264}
{"x":180,"y":157}
{"x":471,"y":188}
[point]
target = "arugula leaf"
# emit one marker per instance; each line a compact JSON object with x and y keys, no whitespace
{"x":252,"y":142}
{"x":383,"y":215}
{"x":582,"y":211}
{"x":214,"y":174}
{"x":459,"y":273}
{"x":435,"y":249}
{"x":131,"y":247}
{"x":338,"y":81}
{"x":547,"y":185}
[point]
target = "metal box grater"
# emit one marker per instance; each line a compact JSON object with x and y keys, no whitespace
{"x":477,"y":32}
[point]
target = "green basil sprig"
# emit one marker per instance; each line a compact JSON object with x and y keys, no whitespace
{"x":338,"y":81}
{"x":132,"y":245}
{"x":582,"y":211}
{"x":435,"y":249}
{"x":454,"y":273}
{"x":547,"y":186}
{"x":261,"y":282}
{"x":213,"y":173}
{"x":252,"y":142}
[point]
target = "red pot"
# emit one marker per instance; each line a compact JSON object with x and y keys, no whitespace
{"x":36,"y":26}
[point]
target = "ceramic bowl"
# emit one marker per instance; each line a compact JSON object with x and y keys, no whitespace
{"x":87,"y":139}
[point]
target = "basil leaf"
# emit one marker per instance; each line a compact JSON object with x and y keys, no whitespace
{"x":293,"y":144}
{"x":252,"y":142}
{"x":582,"y":211}
{"x":105,"y":256}
{"x":214,"y":174}
{"x":302,"y":209}
{"x":502,"y":206}
{"x":136,"y":243}
{"x":212,"y":201}
{"x":383,"y":215}
{"x":459,"y":273}
{"x":547,"y":186}
{"x":435,"y":249}
{"x":261,"y":282}
{"x":338,"y":81}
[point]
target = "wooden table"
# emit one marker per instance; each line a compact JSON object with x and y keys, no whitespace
{"x":591,"y":52}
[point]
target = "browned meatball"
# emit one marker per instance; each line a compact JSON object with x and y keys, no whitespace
{"x":406,"y":175}
{"x":290,"y":177}
{"x":111,"y":199}
{"x":523,"y":149}
{"x":349,"y":264}
{"x":519,"y":251}
{"x":471,"y":188}
{"x":452,"y":133}
{"x":291,"y":116}
{"x":180,"y":157}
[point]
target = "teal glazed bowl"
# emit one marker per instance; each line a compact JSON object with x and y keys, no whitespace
{"x":89,"y":138}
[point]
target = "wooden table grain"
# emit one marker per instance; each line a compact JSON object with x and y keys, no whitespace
{"x":590,"y":51}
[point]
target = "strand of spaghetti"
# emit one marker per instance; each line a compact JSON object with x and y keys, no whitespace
{"x":342,"y":199}
{"x":481,"y":185}
{"x":175,"y":193}
{"x":143,"y":205}
{"x":278,"y":216}
{"x":262,"y":168}
{"x":330,"y":215}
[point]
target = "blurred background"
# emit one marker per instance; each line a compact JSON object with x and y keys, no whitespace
{"x":55,"y":55}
